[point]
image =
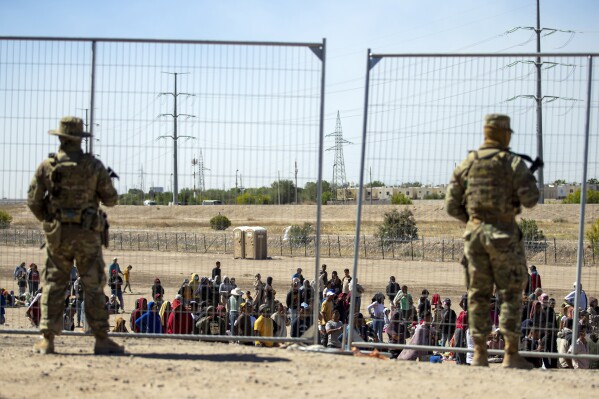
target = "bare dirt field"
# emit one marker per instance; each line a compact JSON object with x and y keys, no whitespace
{"x":176,"y":368}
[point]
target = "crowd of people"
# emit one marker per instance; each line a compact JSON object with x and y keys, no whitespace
{"x":215,"y":305}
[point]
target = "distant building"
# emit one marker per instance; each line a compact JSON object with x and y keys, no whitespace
{"x":157,"y":190}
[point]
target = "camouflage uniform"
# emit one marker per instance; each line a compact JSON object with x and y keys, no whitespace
{"x":487,"y":197}
{"x":65,"y":194}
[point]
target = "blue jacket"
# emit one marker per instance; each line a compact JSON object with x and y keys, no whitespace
{"x":149,"y":322}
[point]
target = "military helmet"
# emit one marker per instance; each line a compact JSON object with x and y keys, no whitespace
{"x":70,"y":127}
{"x":499,"y":121}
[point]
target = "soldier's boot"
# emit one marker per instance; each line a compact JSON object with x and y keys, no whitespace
{"x":512,"y":358}
{"x":480,"y":352}
{"x":106,"y":346}
{"x":45,"y":346}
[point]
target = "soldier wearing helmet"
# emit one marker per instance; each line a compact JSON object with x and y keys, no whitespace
{"x":486,"y":192}
{"x":65,"y":195}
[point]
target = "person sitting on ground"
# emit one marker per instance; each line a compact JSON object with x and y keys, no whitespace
{"x":180,"y":320}
{"x":243,"y":325}
{"x":396,"y":332}
{"x":334,"y":329}
{"x":165,"y":312}
{"x":120,"y":325}
{"x":212,"y":323}
{"x":280,"y":319}
{"x":140,"y":306}
{"x":302,"y":323}
{"x":150,"y":322}
{"x":580,"y":347}
{"x":422,"y":336}
{"x":112,"y":306}
{"x":264,"y":326}
{"x":496,"y":342}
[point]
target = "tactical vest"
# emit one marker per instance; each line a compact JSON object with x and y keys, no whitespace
{"x":489,"y":186}
{"x":72,"y":188}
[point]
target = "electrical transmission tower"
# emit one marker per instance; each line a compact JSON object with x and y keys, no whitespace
{"x":339,"y":164}
{"x":141,"y":178}
{"x":538,"y":97}
{"x":174,"y":137}
{"x":201,"y":185}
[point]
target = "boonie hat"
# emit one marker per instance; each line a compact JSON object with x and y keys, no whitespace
{"x":70,"y":127}
{"x":499,"y":121}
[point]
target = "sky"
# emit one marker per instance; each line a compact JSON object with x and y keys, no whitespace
{"x":350,"y":28}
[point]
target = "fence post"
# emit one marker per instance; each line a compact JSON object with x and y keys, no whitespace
{"x":205,"y":249}
{"x":185,"y":238}
{"x":393,"y":249}
{"x":364,"y":241}
{"x":412,"y":247}
{"x":195,"y":239}
{"x":306,"y":247}
{"x":281,"y":245}
{"x":138,"y":241}
{"x":176,"y":242}
{"x":130,"y":241}
{"x":165,"y":242}
{"x":554,"y":250}
{"x":443,"y":250}
{"x":339,"y":245}
{"x":225,"y":243}
{"x":158,"y":240}
{"x":329,"y":244}
{"x":382,"y":248}
{"x":422,"y":247}
{"x":452,"y":249}
{"x":290,"y":248}
{"x":545,"y":251}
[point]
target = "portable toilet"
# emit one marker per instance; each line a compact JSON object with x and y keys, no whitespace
{"x":239,"y":242}
{"x":255,"y":243}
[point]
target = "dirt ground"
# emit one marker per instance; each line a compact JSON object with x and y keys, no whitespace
{"x":187,"y":369}
{"x":177,"y":368}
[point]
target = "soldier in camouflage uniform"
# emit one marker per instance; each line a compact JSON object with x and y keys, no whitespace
{"x":486,"y":192}
{"x":65,"y":195}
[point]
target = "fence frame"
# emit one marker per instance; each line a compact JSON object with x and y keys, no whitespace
{"x":372,"y":59}
{"x":319,"y":50}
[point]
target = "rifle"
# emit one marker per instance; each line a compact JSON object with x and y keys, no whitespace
{"x":534,"y":164}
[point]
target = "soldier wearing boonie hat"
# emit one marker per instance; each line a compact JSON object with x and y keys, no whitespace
{"x":65,"y":195}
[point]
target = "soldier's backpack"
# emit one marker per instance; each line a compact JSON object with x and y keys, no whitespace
{"x":489,"y":183}
{"x":72,"y":187}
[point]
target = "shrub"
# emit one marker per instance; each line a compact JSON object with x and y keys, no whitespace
{"x":534,"y":239}
{"x":434,"y":196}
{"x":220,"y":222}
{"x":300,"y":235}
{"x":593,"y":235}
{"x":400,"y":199}
{"x":5,"y":219}
{"x":398,"y":226}
{"x":574,"y":198}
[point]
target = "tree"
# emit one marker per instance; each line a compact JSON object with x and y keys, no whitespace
{"x":309,"y":191}
{"x":250,"y":198}
{"x":593,"y":181}
{"x":534,"y":239}
{"x":220,"y":222}
{"x":300,"y":235}
{"x":398,"y":226}
{"x":574,"y":198}
{"x":376,"y":183}
{"x":434,"y":196}
{"x":411,"y":184}
{"x":400,"y":199}
{"x":285,"y":189}
{"x":5,"y":219}
{"x":559,"y":182}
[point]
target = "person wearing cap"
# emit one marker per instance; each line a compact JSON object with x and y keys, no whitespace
{"x":233,"y":303}
{"x":65,"y":195}
{"x":326,"y":314}
{"x":114,"y":266}
{"x":486,"y":192}
{"x":303,"y":321}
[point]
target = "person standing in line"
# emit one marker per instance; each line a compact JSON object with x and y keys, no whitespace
{"x":487,"y":191}
{"x":216,"y":270}
{"x":114,"y":266}
{"x":345,"y":282}
{"x":127,"y":278}
{"x":392,"y":289}
{"x":20,"y":275}
{"x":65,"y":195}
{"x":33,"y":279}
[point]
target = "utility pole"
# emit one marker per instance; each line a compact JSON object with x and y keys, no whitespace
{"x":296,"y":182}
{"x":279,"y":186}
{"x":538,"y":97}
{"x":174,"y":137}
{"x":201,"y":181}
{"x":370,"y":170}
{"x":339,"y":164}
